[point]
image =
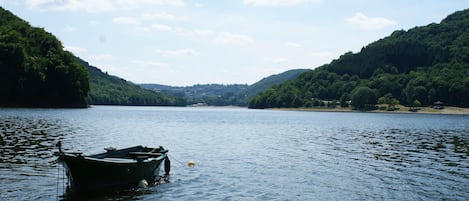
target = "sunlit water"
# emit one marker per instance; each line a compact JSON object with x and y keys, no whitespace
{"x":243,"y":154}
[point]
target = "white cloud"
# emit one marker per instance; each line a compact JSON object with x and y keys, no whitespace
{"x":98,"y":5}
{"x":75,"y":49}
{"x":100,"y":57}
{"x":292,"y":44}
{"x":226,"y":37}
{"x":276,"y":60}
{"x":68,"y":28}
{"x":126,"y":20}
{"x":324,"y":54}
{"x":151,"y":64}
{"x":369,"y":23}
{"x":180,"y":52}
{"x":276,"y":2}
{"x":161,"y":16}
{"x":164,"y":27}
{"x":93,"y":23}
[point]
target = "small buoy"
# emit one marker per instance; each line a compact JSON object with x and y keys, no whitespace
{"x":143,"y":183}
{"x":191,"y":163}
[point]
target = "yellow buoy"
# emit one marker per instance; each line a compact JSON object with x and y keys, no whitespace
{"x":191,"y":163}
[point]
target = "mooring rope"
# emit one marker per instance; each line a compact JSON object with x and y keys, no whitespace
{"x":172,"y":157}
{"x":58,"y":175}
{"x":63,"y":180}
{"x":60,"y":179}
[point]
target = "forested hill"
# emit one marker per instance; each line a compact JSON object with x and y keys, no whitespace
{"x":111,"y":90}
{"x":35,"y":71}
{"x":209,"y":94}
{"x":415,"y":67}
{"x":272,"y":80}
{"x":223,"y":95}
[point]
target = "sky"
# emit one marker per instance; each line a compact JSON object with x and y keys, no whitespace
{"x":187,"y":42}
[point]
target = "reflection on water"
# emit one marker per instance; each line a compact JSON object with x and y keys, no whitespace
{"x":130,"y":194}
{"x":245,"y":154}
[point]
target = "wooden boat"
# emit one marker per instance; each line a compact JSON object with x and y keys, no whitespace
{"x":113,"y":169}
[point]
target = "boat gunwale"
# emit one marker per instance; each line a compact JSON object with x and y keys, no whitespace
{"x":126,"y":160}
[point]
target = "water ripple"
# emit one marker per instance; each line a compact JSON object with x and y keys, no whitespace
{"x":245,"y":154}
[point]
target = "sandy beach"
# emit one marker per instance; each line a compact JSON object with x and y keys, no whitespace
{"x":403,"y":110}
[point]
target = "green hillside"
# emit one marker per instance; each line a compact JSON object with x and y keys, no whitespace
{"x":35,"y":71}
{"x":210,"y":94}
{"x":416,"y":68}
{"x":111,"y":90}
{"x":272,"y":80}
{"x":223,"y":95}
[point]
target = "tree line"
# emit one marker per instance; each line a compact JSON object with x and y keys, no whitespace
{"x":35,"y":71}
{"x":416,"y":67}
{"x":34,"y":68}
{"x":111,"y":90}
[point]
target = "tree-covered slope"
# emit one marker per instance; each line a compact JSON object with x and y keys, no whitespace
{"x":210,"y":94}
{"x":223,"y":95}
{"x":111,"y":90}
{"x":272,"y":80}
{"x":416,"y":67}
{"x":35,"y":70}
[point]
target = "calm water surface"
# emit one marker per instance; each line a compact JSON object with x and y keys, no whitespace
{"x":243,"y":154}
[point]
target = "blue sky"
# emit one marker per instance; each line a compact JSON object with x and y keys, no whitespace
{"x":185,"y":42}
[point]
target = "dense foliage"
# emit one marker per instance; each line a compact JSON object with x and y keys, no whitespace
{"x":209,"y":94}
{"x":111,"y":90}
{"x":269,"y":81}
{"x":34,"y":68}
{"x":223,"y":95}
{"x":419,"y":66}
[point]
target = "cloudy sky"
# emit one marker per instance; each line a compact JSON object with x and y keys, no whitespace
{"x":186,"y":42}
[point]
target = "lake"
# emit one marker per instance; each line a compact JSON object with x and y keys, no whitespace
{"x":243,"y":154}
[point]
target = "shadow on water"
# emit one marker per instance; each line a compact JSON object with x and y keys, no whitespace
{"x":112,"y":194}
{"x":129,"y":194}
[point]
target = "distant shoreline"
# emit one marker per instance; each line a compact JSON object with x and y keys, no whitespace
{"x":402,"y":110}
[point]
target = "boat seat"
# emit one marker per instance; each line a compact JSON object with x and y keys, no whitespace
{"x":121,"y":160}
{"x":145,"y":154}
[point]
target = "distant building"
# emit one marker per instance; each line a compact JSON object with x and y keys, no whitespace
{"x":438,"y":105}
{"x":198,"y":105}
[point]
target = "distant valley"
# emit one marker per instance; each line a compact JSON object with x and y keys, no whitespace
{"x":224,"y":95}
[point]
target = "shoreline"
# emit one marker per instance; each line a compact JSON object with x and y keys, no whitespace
{"x":403,"y":110}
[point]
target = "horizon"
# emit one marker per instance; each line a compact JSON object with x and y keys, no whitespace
{"x":185,"y":43}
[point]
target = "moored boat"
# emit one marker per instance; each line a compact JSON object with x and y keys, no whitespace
{"x":113,"y":169}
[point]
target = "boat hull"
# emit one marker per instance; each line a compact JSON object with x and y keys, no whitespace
{"x":90,"y":174}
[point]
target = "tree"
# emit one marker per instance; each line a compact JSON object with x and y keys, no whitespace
{"x":416,"y":103}
{"x":363,"y":97}
{"x":343,"y":100}
{"x":389,"y":100}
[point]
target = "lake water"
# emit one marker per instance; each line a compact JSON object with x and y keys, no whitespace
{"x":243,"y":154}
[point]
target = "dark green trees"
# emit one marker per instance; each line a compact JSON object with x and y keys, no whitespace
{"x":35,"y":70}
{"x":363,"y":98}
{"x":424,"y":64}
{"x":111,"y":90}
